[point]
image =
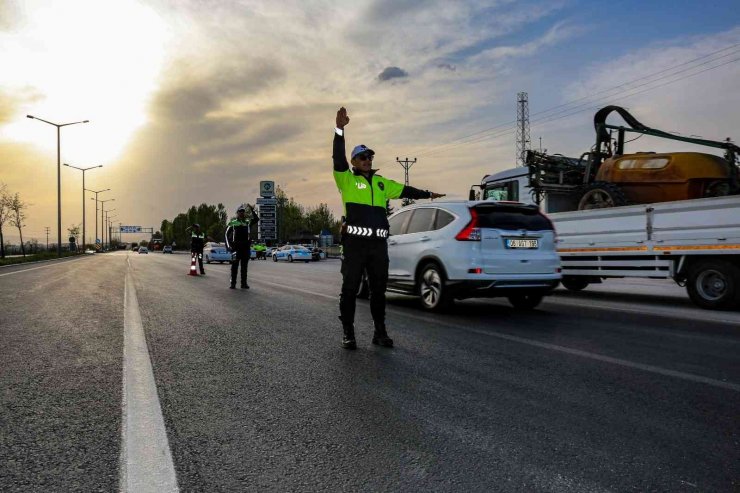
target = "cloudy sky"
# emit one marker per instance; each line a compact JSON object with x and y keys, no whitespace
{"x":197,"y":101}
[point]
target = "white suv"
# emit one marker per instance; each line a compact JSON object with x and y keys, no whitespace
{"x":441,"y":251}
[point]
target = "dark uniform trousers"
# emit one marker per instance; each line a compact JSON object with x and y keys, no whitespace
{"x":370,"y":255}
{"x":199,"y":256}
{"x":242,"y":256}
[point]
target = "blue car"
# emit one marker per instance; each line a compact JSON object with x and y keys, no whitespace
{"x":292,"y":253}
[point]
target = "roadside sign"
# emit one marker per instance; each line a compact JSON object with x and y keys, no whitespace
{"x":130,"y":229}
{"x":267,"y":188}
{"x":265,"y":201}
{"x":97,"y":241}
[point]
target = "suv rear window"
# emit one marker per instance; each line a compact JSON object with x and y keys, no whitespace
{"x":512,"y":218}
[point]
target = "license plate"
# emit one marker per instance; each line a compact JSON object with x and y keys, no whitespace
{"x":511,"y":243}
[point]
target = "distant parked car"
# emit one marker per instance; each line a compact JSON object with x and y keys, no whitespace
{"x":471,"y":249}
{"x":216,"y":252}
{"x":90,"y":251}
{"x":291,"y":253}
{"x":167,"y":249}
{"x":143,"y":250}
{"x":135,"y":249}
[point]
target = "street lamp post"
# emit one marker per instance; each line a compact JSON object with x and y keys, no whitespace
{"x":102,"y":209}
{"x":107,"y":227}
{"x":83,"y":197}
{"x":96,"y":192}
{"x":59,"y":176}
{"x":110,"y":229}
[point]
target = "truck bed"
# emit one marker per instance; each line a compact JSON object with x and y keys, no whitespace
{"x":642,"y":240}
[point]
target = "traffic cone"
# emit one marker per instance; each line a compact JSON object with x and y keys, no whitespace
{"x":193,"y":267}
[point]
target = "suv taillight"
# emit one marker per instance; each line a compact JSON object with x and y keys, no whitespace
{"x":471,"y":231}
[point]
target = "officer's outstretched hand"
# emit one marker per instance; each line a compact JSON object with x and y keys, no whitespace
{"x":436,"y":195}
{"x":342,"y":118}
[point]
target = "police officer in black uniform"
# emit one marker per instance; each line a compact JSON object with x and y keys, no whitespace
{"x":238,"y":240}
{"x":365,"y":232}
{"x":197,"y":241}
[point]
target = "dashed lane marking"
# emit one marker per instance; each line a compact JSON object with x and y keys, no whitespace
{"x":146,"y":460}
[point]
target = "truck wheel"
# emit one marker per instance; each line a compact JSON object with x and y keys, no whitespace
{"x":526,"y":301}
{"x":601,"y":195}
{"x":432,"y":289}
{"x":363,"y":292}
{"x":714,"y":284}
{"x":574,"y":283}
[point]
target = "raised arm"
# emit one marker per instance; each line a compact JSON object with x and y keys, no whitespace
{"x":339,"y":154}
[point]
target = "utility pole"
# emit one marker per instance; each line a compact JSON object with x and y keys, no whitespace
{"x":47,"y":238}
{"x":522,"y":128}
{"x":406,"y":164}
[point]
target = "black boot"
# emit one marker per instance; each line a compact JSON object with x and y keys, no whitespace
{"x":380,"y":338}
{"x":348,"y":341}
{"x":244,"y":285}
{"x":232,"y":284}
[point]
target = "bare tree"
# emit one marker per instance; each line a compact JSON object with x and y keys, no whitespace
{"x":74,"y":230}
{"x":17,"y":216}
{"x":4,"y":214}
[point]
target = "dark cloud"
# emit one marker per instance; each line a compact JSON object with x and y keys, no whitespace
{"x":447,"y":66}
{"x":392,"y":73}
{"x":381,"y":11}
{"x":190,"y":98}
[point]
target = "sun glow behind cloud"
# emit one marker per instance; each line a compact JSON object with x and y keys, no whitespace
{"x":82,"y":60}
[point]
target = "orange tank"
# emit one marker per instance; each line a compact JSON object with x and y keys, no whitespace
{"x":651,"y":177}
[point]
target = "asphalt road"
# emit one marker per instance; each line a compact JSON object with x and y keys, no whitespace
{"x":623,"y":387}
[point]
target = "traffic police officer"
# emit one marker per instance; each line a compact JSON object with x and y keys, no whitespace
{"x":197,"y":241}
{"x":364,"y":195}
{"x":238,"y":240}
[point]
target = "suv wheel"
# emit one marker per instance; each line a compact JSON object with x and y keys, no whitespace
{"x":290,"y":258}
{"x":432,"y":289}
{"x":208,"y":259}
{"x":274,"y":258}
{"x":526,"y":301}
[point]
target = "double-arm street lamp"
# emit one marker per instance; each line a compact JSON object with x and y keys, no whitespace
{"x":110,"y":228}
{"x":83,"y":197}
{"x":59,"y":177}
{"x":102,"y":224}
{"x":107,"y":227}
{"x":96,"y":192}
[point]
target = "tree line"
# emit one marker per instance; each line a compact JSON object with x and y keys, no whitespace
{"x":293,"y":219}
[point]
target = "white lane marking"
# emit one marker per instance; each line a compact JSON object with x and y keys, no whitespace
{"x":703,"y":317}
{"x":42,"y":267}
{"x":553,"y":347}
{"x":146,"y":461}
